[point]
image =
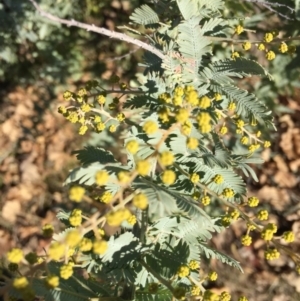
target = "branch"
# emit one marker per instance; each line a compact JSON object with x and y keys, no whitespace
{"x":100,"y":30}
{"x":269,"y":5}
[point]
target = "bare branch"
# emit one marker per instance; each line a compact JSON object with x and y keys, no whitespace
{"x":100,"y":30}
{"x":270,"y":6}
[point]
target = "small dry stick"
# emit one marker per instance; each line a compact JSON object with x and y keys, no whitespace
{"x":269,"y":5}
{"x":100,"y":30}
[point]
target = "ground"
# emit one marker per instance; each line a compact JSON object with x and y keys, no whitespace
{"x":36,"y":145}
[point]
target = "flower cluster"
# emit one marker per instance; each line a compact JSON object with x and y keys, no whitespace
{"x":271,"y":254}
{"x":268,"y":232}
{"x":75,"y":218}
{"x":183,"y":271}
{"x":264,"y":45}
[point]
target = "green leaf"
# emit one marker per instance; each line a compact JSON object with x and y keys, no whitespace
{"x":238,"y":67}
{"x":192,"y":43}
{"x":212,"y":253}
{"x":144,"y":15}
{"x":248,"y":106}
{"x":162,"y":294}
{"x":91,"y":154}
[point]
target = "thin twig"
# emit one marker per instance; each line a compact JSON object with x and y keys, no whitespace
{"x":269,"y":5}
{"x":126,"y":38}
{"x":100,"y":30}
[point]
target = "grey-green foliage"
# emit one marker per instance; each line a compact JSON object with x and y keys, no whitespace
{"x":33,"y":48}
{"x":44,"y":46}
{"x":177,"y":229}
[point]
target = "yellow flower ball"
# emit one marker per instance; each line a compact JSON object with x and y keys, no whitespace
{"x":195,"y":291}
{"x":85,"y":108}
{"x":253,"y":201}
{"x":246,"y":46}
{"x":52,"y":281}
{"x":228,"y":193}
{"x":203,"y":118}
{"x":268,"y":37}
{"x":100,"y":126}
{"x":76,"y":193}
{"x":218,"y":179}
{"x":223,"y":130}
{"x":235,"y":55}
{"x":178,"y":91}
{"x":239,"y":123}
{"x":205,"y":200}
{"x":244,"y":140}
{"x":106,"y":197}
{"x":101,"y":177}
{"x":101,"y":99}
{"x":194,"y":178}
{"x":83,"y":129}
{"x":204,"y":102}
{"x":112,"y":128}
{"x":186,"y":128}
{"x":192,"y":143}
{"x":261,"y":46}
{"x":140,"y":201}
{"x":212,"y":276}
{"x":120,"y":117}
{"x":123,"y":177}
{"x":75,"y":218}
{"x":288,"y":236}
{"x":150,"y":127}
{"x":206,"y":128}
{"x":231,"y":106}
{"x":183,"y":271}
{"x":168,"y":177}
{"x":100,"y":247}
{"x":67,"y":95}
{"x":270,"y":55}
{"x":56,"y":251}
{"x":225,"y":296}
{"x":143,"y":167}
{"x":191,"y":97}
{"x":182,"y":115}
{"x":132,"y":146}
{"x":132,"y":220}
{"x":73,"y":238}
{"x":165,"y":98}
{"x":246,"y":240}
{"x":66,"y":271}
{"x":194,"y":265}
{"x":217,"y":96}
{"x":62,"y":110}
{"x":166,"y":158}
{"x":85,"y":245}
{"x":271,"y":254}
{"x":262,"y":215}
{"x":15,"y":255}
{"x":163,"y":114}
{"x":283,"y":48}
{"x":20,"y":283}
{"x":239,"y":29}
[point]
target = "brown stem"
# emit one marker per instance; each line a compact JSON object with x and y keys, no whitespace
{"x":100,"y":30}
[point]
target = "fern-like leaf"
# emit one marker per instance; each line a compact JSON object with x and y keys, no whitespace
{"x":212,"y":253}
{"x":237,"y":68}
{"x":161,"y":295}
{"x":192,"y":43}
{"x":144,"y":15}
{"x":91,"y":154}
